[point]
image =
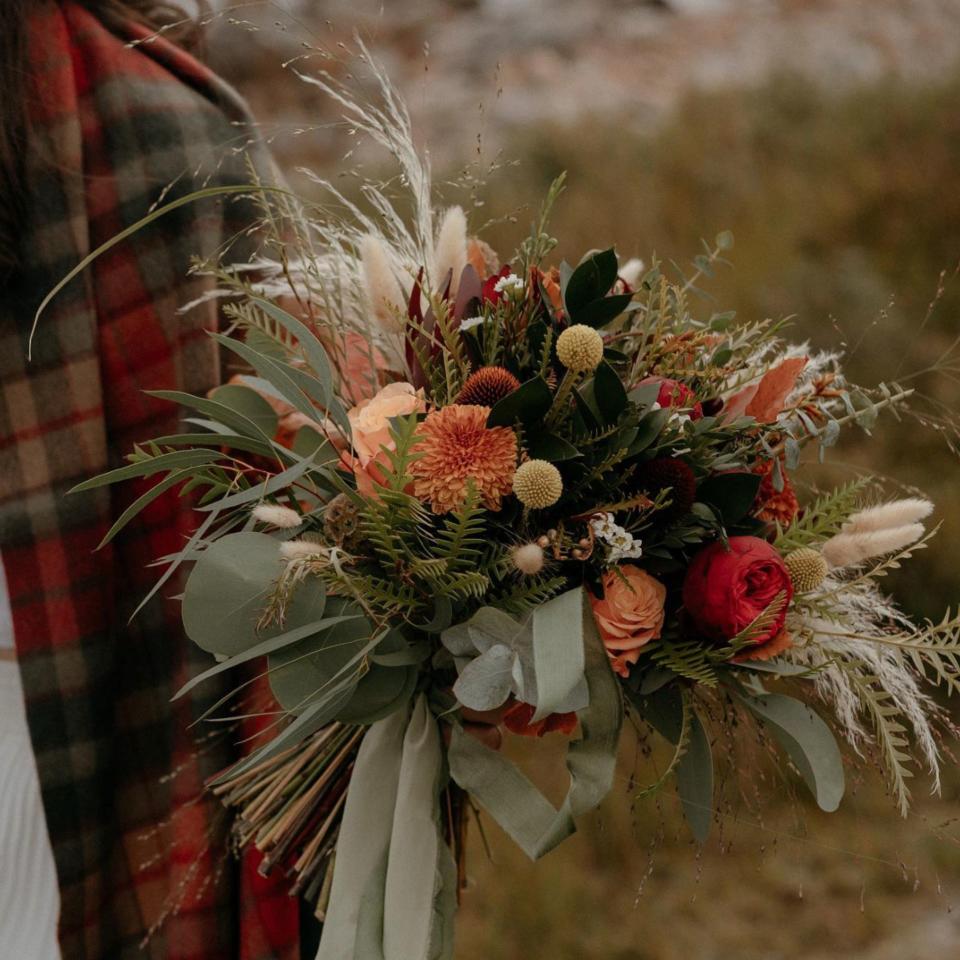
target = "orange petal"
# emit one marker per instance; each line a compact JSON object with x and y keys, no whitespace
{"x":767,"y":403}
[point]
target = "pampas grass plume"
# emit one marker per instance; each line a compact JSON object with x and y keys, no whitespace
{"x":300,"y":549}
{"x":384,"y":295}
{"x":898,"y":513}
{"x":849,"y":549}
{"x":450,"y":250}
{"x":277,"y":516}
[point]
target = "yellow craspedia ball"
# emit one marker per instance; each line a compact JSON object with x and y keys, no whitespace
{"x":808,"y":569}
{"x":537,"y":484}
{"x":580,"y":348}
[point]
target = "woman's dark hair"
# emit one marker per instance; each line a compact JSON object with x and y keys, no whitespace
{"x":15,"y":111}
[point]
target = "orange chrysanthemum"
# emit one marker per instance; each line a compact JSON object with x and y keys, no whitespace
{"x":457,"y":447}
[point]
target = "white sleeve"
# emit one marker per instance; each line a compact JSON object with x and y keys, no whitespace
{"x":29,"y":895}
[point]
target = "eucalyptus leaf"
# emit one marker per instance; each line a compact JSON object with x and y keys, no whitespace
{"x":808,"y":742}
{"x":442,"y":616}
{"x":144,"y":500}
{"x":250,"y":404}
{"x":218,"y":436}
{"x":277,"y":482}
{"x":309,"y":344}
{"x":174,"y":460}
{"x":694,"y":775}
{"x":228,"y":588}
{"x":488,"y":626}
{"x":289,"y":382}
{"x":312,"y":668}
{"x":486,"y":681}
{"x":213,"y":410}
{"x":265,"y":647}
{"x":380,"y":692}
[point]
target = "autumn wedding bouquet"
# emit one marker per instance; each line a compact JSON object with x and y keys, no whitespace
{"x":448,"y":498}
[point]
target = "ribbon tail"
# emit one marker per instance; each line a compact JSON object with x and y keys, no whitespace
{"x":354,"y":926}
{"x":394,"y":883}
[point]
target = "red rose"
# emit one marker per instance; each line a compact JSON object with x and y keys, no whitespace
{"x":489,"y":290}
{"x":518,"y":719}
{"x":727,"y":588}
{"x":673,"y":393}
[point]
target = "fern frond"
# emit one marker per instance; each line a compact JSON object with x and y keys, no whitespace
{"x":393,"y":597}
{"x":460,"y":539}
{"x":749,"y":635}
{"x":891,"y":736}
{"x":464,"y":586}
{"x":523,"y":595}
{"x":687,"y":658}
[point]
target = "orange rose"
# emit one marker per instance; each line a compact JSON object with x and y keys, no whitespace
{"x":370,"y":426}
{"x":630,"y":614}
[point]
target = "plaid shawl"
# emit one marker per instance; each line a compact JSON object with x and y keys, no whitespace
{"x":113,"y":127}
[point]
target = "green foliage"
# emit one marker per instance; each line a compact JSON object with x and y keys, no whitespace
{"x":686,"y":658}
{"x":518,"y":596}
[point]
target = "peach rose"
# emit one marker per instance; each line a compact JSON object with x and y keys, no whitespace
{"x":370,"y":426}
{"x":630,"y":614}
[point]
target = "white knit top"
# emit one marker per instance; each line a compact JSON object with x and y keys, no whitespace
{"x":29,"y":897}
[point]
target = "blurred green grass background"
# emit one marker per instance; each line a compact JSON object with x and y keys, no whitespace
{"x":845,"y":210}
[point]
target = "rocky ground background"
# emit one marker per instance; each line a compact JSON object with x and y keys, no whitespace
{"x":826,"y":135}
{"x":524,"y":61}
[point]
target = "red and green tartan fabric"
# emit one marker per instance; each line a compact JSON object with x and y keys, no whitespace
{"x":113,"y":126}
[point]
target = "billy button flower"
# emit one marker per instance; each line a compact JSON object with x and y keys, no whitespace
{"x":580,"y":350}
{"x":537,"y":484}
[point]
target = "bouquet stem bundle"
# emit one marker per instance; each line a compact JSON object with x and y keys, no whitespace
{"x":289,"y":806}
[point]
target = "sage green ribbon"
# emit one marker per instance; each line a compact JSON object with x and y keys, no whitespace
{"x":511,"y":799}
{"x":394,"y":883}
